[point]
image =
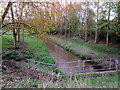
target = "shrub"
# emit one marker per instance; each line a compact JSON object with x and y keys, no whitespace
{"x":11,"y":55}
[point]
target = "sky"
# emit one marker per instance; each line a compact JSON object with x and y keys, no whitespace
{"x":62,"y":1}
{"x":59,"y":0}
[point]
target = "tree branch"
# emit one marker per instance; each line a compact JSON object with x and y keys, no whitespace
{"x":14,"y":24}
{"x":6,"y":10}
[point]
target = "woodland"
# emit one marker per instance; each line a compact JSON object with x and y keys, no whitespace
{"x":35,"y":37}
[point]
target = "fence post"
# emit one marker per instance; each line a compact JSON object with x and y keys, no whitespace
{"x":83,"y":67}
{"x":29,"y":63}
{"x":116,"y":64}
{"x":110,"y":64}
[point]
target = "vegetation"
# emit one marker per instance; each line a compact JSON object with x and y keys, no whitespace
{"x":101,"y":82}
{"x":36,"y":51}
{"x":40,"y":50}
{"x":89,"y":30}
{"x":85,"y":50}
{"x":79,"y":19}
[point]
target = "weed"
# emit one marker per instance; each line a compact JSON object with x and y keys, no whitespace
{"x":11,"y":55}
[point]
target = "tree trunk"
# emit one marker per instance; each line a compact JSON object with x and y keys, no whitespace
{"x":6,"y":10}
{"x":18,"y":35}
{"x":68,"y":33}
{"x":96,"y":33}
{"x":14,"y":39}
{"x":87,"y":22}
{"x":119,"y":12}
{"x":79,"y":34}
{"x":22,"y":35}
{"x":96,"y":36}
{"x":65,"y":32}
{"x":14,"y":32}
{"x":107,"y":36}
{"x":107,"y":39}
{"x":86,"y":36}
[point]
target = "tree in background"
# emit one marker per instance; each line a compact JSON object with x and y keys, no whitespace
{"x":69,"y":19}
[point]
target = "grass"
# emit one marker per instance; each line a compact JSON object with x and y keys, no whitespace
{"x":86,"y":50}
{"x":35,"y":49}
{"x":41,"y":54}
{"x":0,"y":44}
{"x":38,"y":48}
{"x":6,"y":42}
{"x":99,"y":82}
{"x":35,"y":46}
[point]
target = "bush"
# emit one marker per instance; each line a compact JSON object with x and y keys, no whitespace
{"x":15,"y":55}
{"x":11,"y":55}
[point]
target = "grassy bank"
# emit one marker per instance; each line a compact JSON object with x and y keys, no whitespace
{"x":33,"y":45}
{"x":38,"y":48}
{"x":41,"y":54}
{"x":86,"y":50}
{"x":34,"y":49}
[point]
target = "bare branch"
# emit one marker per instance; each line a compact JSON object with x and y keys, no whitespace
{"x":6,"y":10}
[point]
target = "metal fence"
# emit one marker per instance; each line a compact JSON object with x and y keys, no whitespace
{"x":99,"y":65}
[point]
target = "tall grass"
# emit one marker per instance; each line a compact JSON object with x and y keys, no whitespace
{"x":99,"y":82}
{"x":39,"y":49}
{"x":88,"y":49}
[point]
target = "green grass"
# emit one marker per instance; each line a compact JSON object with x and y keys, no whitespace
{"x":84,"y":49}
{"x":36,"y":48}
{"x":106,"y":82}
{"x":41,"y":54}
{"x":0,"y":44}
{"x":39,"y":49}
{"x":7,"y":42}
{"x":99,"y":82}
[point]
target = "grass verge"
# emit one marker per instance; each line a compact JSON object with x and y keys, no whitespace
{"x":102,"y":51}
{"x":86,"y":50}
{"x":33,"y":48}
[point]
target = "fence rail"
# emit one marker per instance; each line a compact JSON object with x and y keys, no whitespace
{"x":108,"y":59}
{"x":108,"y":65}
{"x":111,"y":65}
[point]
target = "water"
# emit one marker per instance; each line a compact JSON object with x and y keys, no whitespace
{"x":61,"y":55}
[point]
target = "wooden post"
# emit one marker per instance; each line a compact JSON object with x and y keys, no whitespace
{"x":116,"y":64}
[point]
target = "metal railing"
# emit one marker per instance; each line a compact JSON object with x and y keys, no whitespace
{"x":100,"y":65}
{"x":104,"y":65}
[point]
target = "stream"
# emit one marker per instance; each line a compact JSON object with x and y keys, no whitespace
{"x":60,"y":56}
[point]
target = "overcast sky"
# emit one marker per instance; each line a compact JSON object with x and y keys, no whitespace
{"x":60,"y":0}
{"x":2,"y":6}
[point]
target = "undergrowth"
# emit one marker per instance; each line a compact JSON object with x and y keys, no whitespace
{"x":102,"y":51}
{"x":35,"y":50}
